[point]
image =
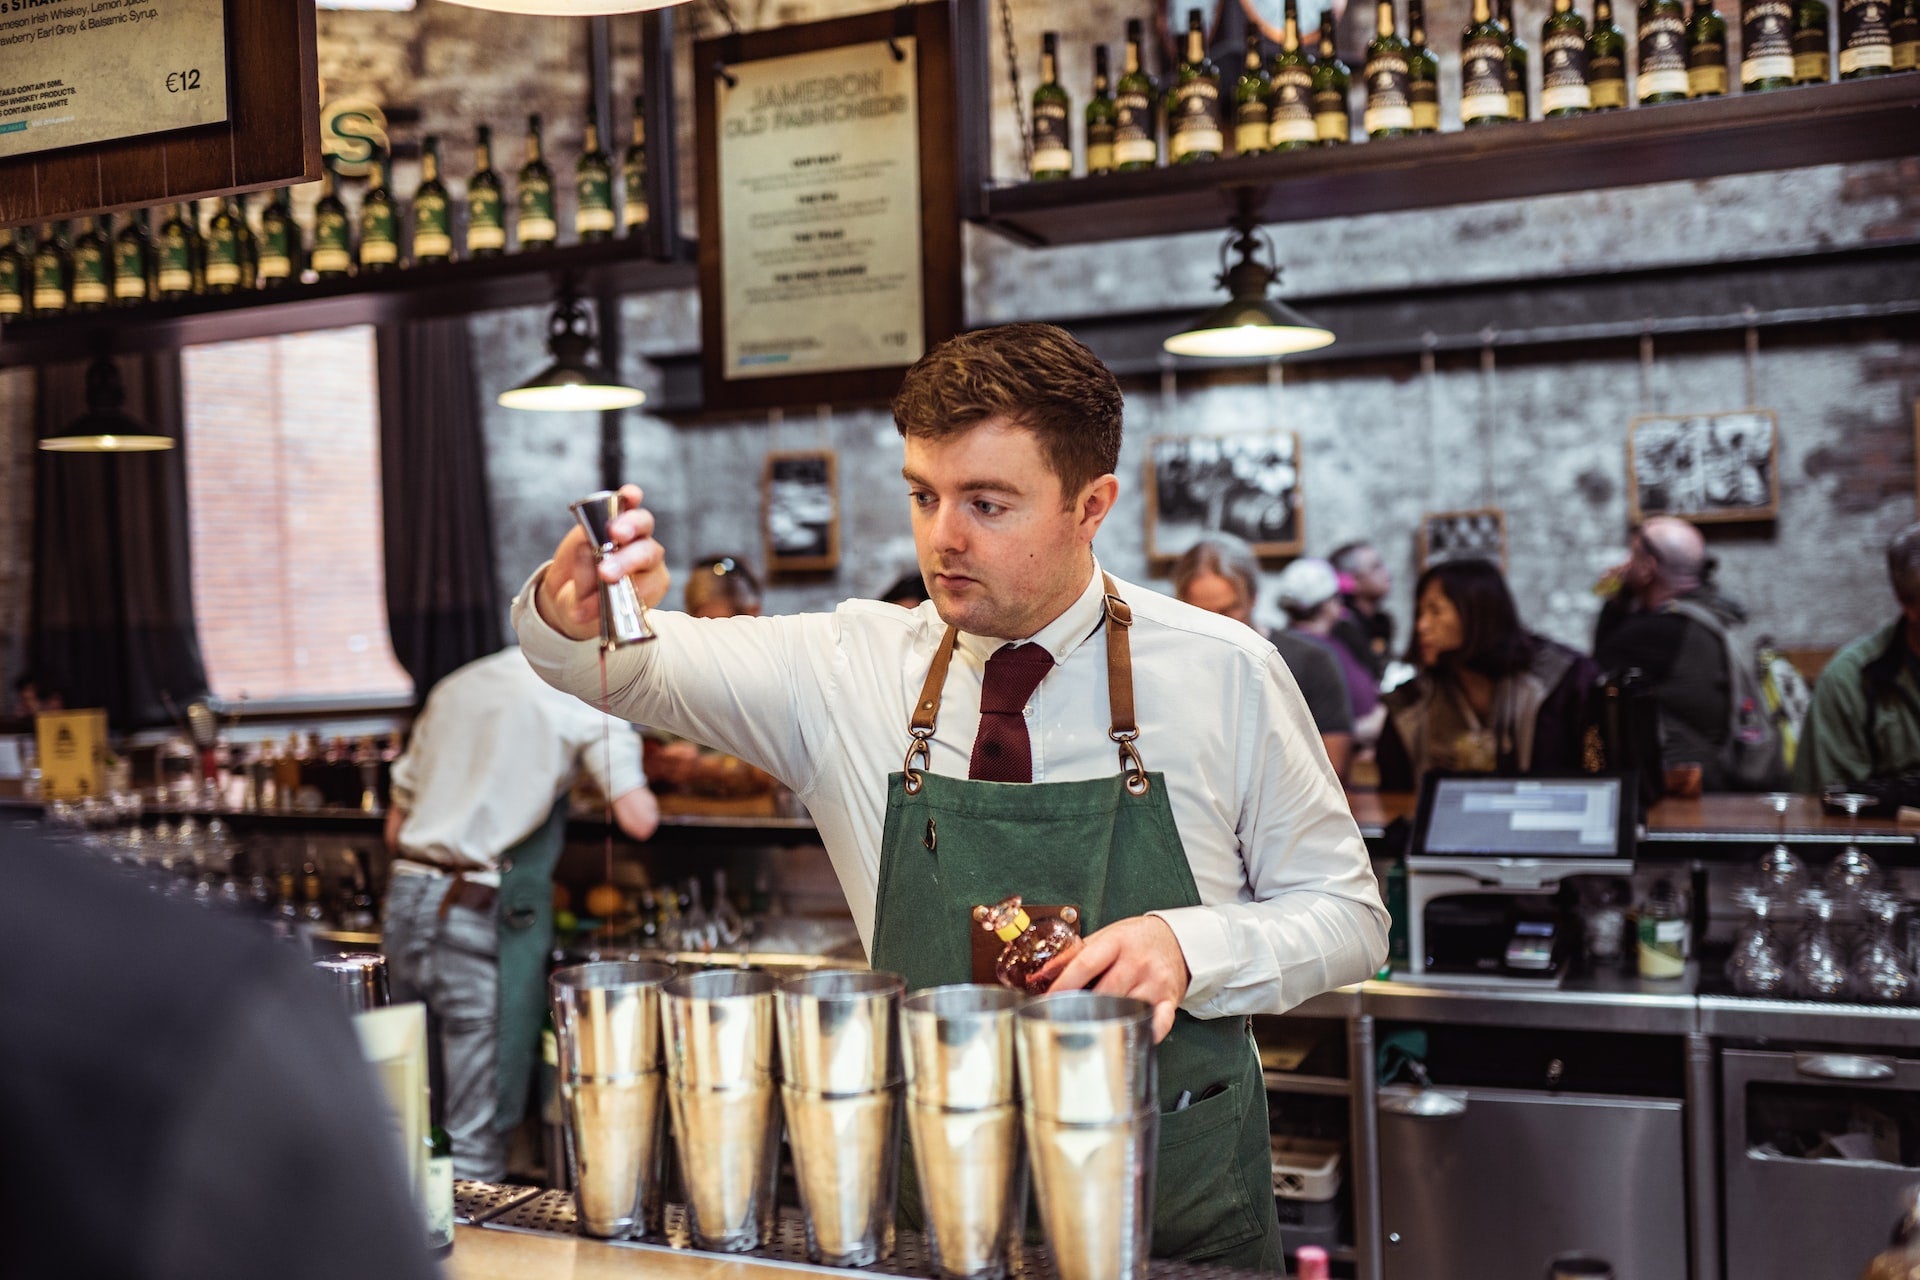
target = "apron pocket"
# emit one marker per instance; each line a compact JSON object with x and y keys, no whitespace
{"x":1200,"y":1204}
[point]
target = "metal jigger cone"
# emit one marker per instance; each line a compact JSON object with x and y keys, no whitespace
{"x":623,"y":614}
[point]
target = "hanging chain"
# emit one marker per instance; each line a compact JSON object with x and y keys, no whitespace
{"x":1646,"y":369}
{"x":1753,"y":360}
{"x":1013,"y":78}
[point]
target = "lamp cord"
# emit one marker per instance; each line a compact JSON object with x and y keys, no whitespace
{"x":1013,"y":78}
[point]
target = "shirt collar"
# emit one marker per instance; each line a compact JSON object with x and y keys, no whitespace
{"x":1075,"y":625}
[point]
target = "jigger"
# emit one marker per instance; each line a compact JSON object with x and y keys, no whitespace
{"x":623,"y":614}
{"x":726,"y":1107}
{"x":606,"y":1019}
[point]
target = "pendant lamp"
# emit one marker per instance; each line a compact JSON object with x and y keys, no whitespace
{"x":568,"y":8}
{"x":106,"y":427}
{"x":1250,"y":324}
{"x":573,"y":381}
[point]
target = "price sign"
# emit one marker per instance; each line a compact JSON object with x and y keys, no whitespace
{"x":79,"y":71}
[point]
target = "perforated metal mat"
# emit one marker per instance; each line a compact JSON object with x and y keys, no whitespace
{"x":476,"y":1202}
{"x":552,"y":1211}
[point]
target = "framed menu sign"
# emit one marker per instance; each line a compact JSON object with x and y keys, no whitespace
{"x":829,"y":210}
{"x":74,"y":72}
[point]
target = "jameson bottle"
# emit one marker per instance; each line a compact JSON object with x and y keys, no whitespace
{"x":1706,"y":52}
{"x":197,"y":244}
{"x":1290,"y":122}
{"x":1136,"y":127}
{"x":1663,"y":52}
{"x":223,"y":250}
{"x":1519,"y":105}
{"x":633,"y":172}
{"x":1423,"y":72}
{"x":1389,"y":112}
{"x":1483,"y":70}
{"x":1195,"y":129}
{"x":1905,"y":29}
{"x":175,"y":276}
{"x":279,"y":242}
{"x":52,"y":269}
{"x":534,"y":208}
{"x":432,"y":209}
{"x":593,"y":189}
{"x":1607,"y":60}
{"x":1052,"y":134}
{"x":1101,"y":115}
{"x":1252,"y":94}
{"x":1866,"y":38}
{"x":132,"y":261}
{"x":1766,"y":45}
{"x":1563,"y":63}
{"x":379,"y":222}
{"x":1029,"y":944}
{"x":1812,"y":64}
{"x":93,"y":266}
{"x":1332,"y":123}
{"x":16,"y":274}
{"x":332,"y":241}
{"x":249,"y":248}
{"x":486,"y":208}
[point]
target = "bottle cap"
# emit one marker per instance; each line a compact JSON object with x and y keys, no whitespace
{"x":1014,"y":927}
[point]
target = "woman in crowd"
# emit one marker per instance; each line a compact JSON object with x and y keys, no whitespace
{"x":1491,"y":696}
{"x":723,"y":587}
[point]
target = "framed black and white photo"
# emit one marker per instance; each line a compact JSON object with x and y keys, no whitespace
{"x":800,"y":511}
{"x":1704,"y":466}
{"x":1480,"y":534}
{"x":1246,"y":485}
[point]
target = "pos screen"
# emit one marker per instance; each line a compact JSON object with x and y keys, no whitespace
{"x":1523,"y":817}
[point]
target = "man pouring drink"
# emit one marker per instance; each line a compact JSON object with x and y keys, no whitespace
{"x":1037,"y":728}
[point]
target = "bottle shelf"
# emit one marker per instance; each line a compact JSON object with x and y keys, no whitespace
{"x":1851,"y":121}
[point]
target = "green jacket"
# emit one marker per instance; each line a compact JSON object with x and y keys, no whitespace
{"x":1865,"y":719}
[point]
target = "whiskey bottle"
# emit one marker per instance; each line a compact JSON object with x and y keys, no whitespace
{"x":1136,"y":126}
{"x":1483,"y":70}
{"x":432,"y":209}
{"x":379,"y":222}
{"x":175,"y":277}
{"x":16,"y":274}
{"x":249,"y":247}
{"x":279,"y":242}
{"x":223,"y":250}
{"x":486,"y":207}
{"x":1252,"y":100}
{"x":1389,"y":112}
{"x":534,"y":223}
{"x":1290,"y":122}
{"x":1905,"y":30}
{"x":1663,"y":52}
{"x":332,"y":241}
{"x":1101,"y":116}
{"x":1052,"y":134}
{"x":1519,"y":91}
{"x":1194,"y":124}
{"x":93,"y":266}
{"x":1332,"y":123}
{"x":52,"y":270}
{"x":1030,"y":944}
{"x":1866,"y":38}
{"x":1706,"y":52}
{"x":133,"y":261}
{"x":1423,"y":72}
{"x":1812,"y":63}
{"x":593,"y":189}
{"x":633,"y":172}
{"x":1766,"y":45}
{"x":1563,"y":63}
{"x":197,"y":244}
{"x":1607,"y":60}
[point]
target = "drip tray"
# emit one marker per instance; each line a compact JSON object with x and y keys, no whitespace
{"x":478,"y":1202}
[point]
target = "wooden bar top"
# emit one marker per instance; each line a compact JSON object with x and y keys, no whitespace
{"x":482,"y":1253}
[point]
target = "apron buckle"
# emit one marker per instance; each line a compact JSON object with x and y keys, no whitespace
{"x":931,"y":838}
{"x":913,"y":780}
{"x":1136,"y":768}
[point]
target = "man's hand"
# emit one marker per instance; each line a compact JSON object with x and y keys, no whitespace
{"x":568,"y":597}
{"x":1138,"y":957}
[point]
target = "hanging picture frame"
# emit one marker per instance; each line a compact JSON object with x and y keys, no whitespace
{"x":1477,"y":534}
{"x":1704,"y":467}
{"x":800,"y":511}
{"x":1247,"y":485}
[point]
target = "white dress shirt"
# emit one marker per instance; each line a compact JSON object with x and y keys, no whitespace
{"x":822,"y":701}
{"x":489,"y":754}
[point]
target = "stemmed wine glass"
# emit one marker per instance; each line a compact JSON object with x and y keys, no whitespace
{"x":1782,"y":874}
{"x":1853,"y":873}
{"x":1819,"y":972}
{"x":1758,"y":966}
{"x":1879,"y":974}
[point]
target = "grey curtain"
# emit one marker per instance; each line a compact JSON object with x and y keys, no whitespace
{"x":113,"y":584}
{"x":443,"y":601}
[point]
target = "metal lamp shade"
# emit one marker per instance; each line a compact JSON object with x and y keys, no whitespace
{"x":1247,"y":327}
{"x":105,"y":427}
{"x":573,"y":381}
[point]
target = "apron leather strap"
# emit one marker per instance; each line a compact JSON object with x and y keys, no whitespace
{"x":926,"y":712}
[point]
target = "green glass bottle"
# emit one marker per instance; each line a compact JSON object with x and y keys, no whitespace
{"x":197,"y":243}
{"x":1332,"y":121}
{"x":1102,"y":116}
{"x":1563,"y":63}
{"x":1706,"y":52}
{"x":1606,"y":60}
{"x":1051,"y":132}
{"x":534,"y":222}
{"x":16,"y":274}
{"x":1136,"y":127}
{"x":1812,"y":62}
{"x":1866,"y":38}
{"x":1483,"y":70}
{"x":1519,"y":90}
{"x":279,"y":242}
{"x":332,"y":237}
{"x":1423,"y":72}
{"x":1290,"y":122}
{"x":133,"y":261}
{"x":486,"y":204}
{"x":223,"y":250}
{"x":1766,"y":45}
{"x":1389,"y":111}
{"x":438,"y":1192}
{"x":52,"y":270}
{"x":175,"y":275}
{"x":432,"y":209}
{"x":1663,"y":52}
{"x":593,"y":217}
{"x":633,"y":172}
{"x":1195,"y":125}
{"x":249,"y":248}
{"x":1905,"y":30}
{"x":379,"y":222}
{"x":1252,"y":100}
{"x":93,"y":265}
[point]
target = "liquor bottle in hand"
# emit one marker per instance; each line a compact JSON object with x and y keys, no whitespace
{"x":1030,"y":944}
{"x":593,"y":189}
{"x":1607,"y":60}
{"x":1136,"y":128}
{"x":486,"y":206}
{"x":1766,"y":45}
{"x":1519,"y":103}
{"x":1423,"y":72}
{"x":1195,"y":129}
{"x":1052,"y":134}
{"x":1483,"y":70}
{"x":1102,"y":115}
{"x":332,"y":240}
{"x":1812,"y":62}
{"x":133,"y":261}
{"x":1332,"y":123}
{"x":1252,"y":94}
{"x":534,"y":223}
{"x":432,"y":209}
{"x":379,"y":222}
{"x":1706,"y":52}
{"x":93,"y":266}
{"x":279,"y":242}
{"x":1290,"y":121}
{"x":633,"y":172}
{"x":1563,"y":63}
{"x":1663,"y":52}
{"x":1389,"y":112}
{"x":52,"y":270}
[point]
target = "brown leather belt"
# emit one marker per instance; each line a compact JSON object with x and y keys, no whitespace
{"x":469,"y":894}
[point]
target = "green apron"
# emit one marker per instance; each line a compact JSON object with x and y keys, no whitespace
{"x":1108,"y":846}
{"x":524,"y":915}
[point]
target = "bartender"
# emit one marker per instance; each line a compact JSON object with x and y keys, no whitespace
{"x":1041,"y":728}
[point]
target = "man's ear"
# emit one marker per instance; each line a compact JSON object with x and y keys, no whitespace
{"x":1095,"y":503}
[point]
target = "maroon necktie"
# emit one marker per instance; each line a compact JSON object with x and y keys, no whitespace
{"x":1001,"y":750}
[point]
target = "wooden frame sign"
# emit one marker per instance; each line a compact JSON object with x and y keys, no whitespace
{"x":800,"y":511}
{"x":829,"y":206}
{"x":1247,"y":485}
{"x":1477,"y":534}
{"x":1706,"y":467}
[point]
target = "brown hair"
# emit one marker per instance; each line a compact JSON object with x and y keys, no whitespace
{"x":1035,"y":376}
{"x":1222,"y":555}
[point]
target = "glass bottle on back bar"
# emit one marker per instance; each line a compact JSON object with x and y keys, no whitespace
{"x":1423,"y":72}
{"x":93,"y":266}
{"x":1905,"y":30}
{"x":279,"y":242}
{"x":486,"y":207}
{"x":1706,"y":52}
{"x":332,"y":241}
{"x":1766,"y":45}
{"x":1332,"y":121}
{"x":1101,"y":115}
{"x":1252,"y":93}
{"x":1606,"y":60}
{"x":133,"y":261}
{"x":432,"y":209}
{"x":1290,"y":120}
{"x":1519,"y":90}
{"x":1866,"y":38}
{"x":593,"y":189}
{"x":1052,"y":132}
{"x":1389,"y":111}
{"x":52,"y":270}
{"x":534,"y":224}
{"x":633,"y":172}
{"x":1563,"y":63}
{"x":223,"y":251}
{"x":1812,"y":63}
{"x":16,"y":273}
{"x":175,"y":277}
{"x":197,"y":244}
{"x":379,"y":222}
{"x":1483,"y":70}
{"x":1663,"y":52}
{"x":1194,"y":123}
{"x":1136,"y":128}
